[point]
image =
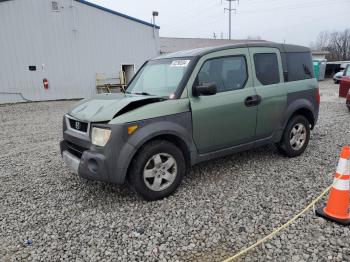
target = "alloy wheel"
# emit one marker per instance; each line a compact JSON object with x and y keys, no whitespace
{"x":298,"y":136}
{"x":160,"y":171}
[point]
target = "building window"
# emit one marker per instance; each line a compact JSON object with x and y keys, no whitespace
{"x":266,"y":68}
{"x":228,"y":73}
{"x":299,"y":66}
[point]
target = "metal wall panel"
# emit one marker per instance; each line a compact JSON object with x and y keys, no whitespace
{"x":68,"y":48}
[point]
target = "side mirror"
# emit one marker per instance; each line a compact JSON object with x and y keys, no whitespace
{"x":205,"y":89}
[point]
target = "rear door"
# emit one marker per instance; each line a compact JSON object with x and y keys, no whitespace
{"x":223,"y":120}
{"x":269,"y":85}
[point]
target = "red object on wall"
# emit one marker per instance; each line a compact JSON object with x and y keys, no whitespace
{"x":344,"y":86}
{"x":46,"y":83}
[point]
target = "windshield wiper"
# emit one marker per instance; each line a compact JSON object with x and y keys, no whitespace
{"x":142,"y":93}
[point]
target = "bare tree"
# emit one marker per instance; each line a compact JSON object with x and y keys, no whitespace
{"x":340,"y":44}
{"x":336,"y":43}
{"x":322,"y":40}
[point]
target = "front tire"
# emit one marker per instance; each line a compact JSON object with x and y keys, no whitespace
{"x":296,"y":137}
{"x":157,"y":170}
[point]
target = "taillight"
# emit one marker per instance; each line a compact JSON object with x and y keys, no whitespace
{"x":318,"y":96}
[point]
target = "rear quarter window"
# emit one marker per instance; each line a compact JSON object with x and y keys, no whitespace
{"x":299,"y":66}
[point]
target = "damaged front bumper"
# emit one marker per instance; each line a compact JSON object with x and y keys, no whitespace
{"x":91,"y":165}
{"x":71,"y":161}
{"x":108,"y":163}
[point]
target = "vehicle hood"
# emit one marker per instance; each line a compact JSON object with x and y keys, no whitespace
{"x":105,"y":107}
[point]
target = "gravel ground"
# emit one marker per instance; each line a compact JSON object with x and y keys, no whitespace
{"x":222,"y":206}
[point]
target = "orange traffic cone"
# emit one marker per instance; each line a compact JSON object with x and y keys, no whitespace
{"x":337,"y":208}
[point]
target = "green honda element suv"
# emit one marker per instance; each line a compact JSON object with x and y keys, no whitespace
{"x":192,"y":106}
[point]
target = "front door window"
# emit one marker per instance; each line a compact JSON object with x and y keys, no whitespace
{"x":228,"y":73}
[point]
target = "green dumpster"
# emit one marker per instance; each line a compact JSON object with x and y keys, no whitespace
{"x":316,"y":68}
{"x":320,"y":68}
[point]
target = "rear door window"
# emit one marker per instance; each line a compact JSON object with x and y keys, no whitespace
{"x":266,"y":68}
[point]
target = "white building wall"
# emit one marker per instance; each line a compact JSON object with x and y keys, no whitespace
{"x":68,"y":48}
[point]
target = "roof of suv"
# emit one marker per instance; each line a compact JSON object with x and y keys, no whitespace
{"x":206,"y":50}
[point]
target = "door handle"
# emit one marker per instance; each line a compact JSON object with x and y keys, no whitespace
{"x":252,"y":100}
{"x":249,"y":101}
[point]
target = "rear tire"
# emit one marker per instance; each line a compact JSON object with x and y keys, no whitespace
{"x":296,"y":137}
{"x":157,"y":170}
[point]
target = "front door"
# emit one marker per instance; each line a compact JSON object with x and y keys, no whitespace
{"x":227,"y":118}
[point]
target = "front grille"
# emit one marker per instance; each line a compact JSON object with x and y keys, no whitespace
{"x":75,"y":149}
{"x":78,"y":125}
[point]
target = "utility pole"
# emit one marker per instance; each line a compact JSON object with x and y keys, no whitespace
{"x":230,"y":9}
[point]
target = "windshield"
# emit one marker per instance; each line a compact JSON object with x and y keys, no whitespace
{"x":159,"y":77}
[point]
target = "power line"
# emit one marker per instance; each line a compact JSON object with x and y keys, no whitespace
{"x":288,"y":7}
{"x":213,"y":20}
{"x":202,"y":11}
{"x":208,"y":17}
{"x":230,"y":9}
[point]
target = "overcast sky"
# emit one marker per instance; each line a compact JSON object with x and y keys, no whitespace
{"x":293,"y":21}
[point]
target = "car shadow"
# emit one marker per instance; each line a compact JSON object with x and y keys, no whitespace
{"x":202,"y":171}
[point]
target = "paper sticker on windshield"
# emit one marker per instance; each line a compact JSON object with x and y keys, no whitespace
{"x":180,"y":63}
